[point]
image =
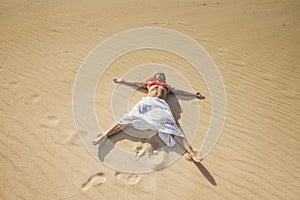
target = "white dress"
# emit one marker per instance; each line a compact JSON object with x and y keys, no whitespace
{"x":153,"y":113}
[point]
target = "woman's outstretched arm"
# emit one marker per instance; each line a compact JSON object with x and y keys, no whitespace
{"x":139,"y":84}
{"x":198,"y":95}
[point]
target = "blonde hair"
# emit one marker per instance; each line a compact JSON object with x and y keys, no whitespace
{"x":161,"y":74}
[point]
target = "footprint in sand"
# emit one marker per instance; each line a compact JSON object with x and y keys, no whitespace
{"x":128,"y":179}
{"x":141,"y":149}
{"x":33,"y":98}
{"x":11,"y":84}
{"x":94,"y":180}
{"x":73,"y":138}
{"x":156,"y":158}
{"x":49,"y":121}
{"x":1,"y":68}
{"x":139,"y":152}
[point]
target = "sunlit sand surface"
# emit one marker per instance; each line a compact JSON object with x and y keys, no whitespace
{"x":255,"y":45}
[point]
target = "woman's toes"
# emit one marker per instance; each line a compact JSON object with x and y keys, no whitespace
{"x":197,"y":158}
{"x":95,"y":142}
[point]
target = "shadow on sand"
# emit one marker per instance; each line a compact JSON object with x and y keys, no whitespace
{"x":206,"y":173}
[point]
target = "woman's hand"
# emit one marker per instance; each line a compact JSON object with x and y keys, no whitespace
{"x":119,"y":80}
{"x":199,"y":95}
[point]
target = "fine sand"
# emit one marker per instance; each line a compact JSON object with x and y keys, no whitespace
{"x":256,"y":46}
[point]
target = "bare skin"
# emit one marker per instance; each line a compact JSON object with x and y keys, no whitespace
{"x":157,"y":91}
{"x":153,"y":91}
{"x":113,"y":130}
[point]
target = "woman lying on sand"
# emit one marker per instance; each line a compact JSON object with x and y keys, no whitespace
{"x":152,"y":112}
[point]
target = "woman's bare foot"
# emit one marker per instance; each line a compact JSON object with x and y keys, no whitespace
{"x":192,"y":156}
{"x":99,"y":139}
{"x":197,"y":159}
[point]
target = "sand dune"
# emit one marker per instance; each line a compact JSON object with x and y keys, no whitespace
{"x":255,"y":45}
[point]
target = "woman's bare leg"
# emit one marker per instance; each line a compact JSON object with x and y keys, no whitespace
{"x":111,"y":131}
{"x":183,"y":142}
